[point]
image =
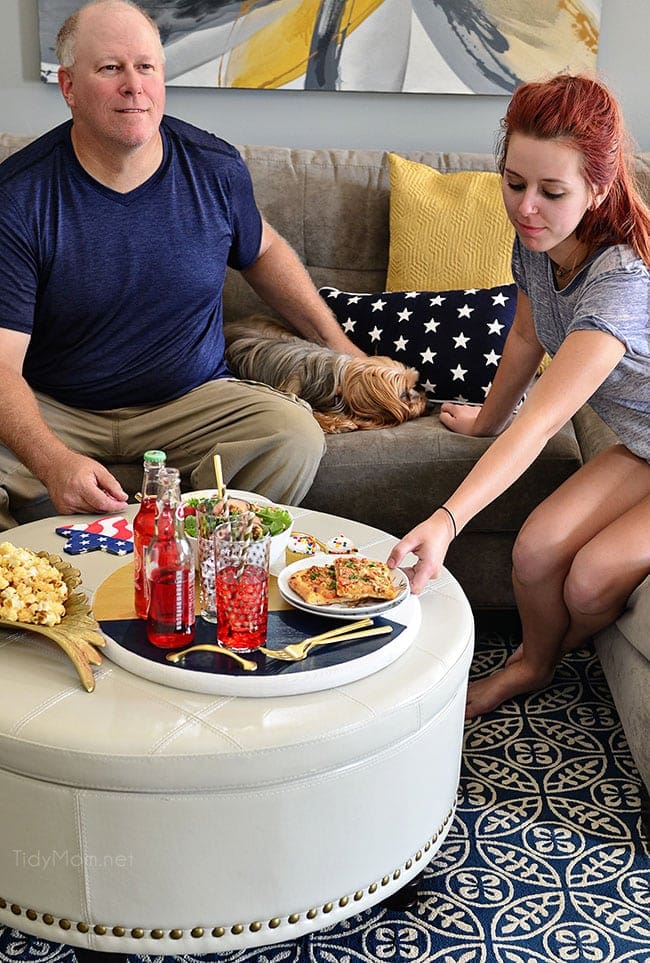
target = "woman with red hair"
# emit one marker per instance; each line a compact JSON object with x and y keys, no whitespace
{"x":581,"y":261}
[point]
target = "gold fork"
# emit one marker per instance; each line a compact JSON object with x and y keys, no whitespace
{"x":297,"y":651}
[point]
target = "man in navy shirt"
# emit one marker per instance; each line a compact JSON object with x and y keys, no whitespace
{"x":116,"y":229}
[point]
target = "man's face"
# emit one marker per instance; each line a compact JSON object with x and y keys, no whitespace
{"x":116,"y":86}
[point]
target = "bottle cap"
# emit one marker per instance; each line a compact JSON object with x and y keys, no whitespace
{"x":155,"y":457}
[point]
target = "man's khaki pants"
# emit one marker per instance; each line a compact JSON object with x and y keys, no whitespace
{"x":268,"y":441}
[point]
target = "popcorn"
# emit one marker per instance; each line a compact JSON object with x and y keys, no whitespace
{"x":31,"y":588}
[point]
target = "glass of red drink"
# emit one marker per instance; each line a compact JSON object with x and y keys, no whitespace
{"x":241,"y":555}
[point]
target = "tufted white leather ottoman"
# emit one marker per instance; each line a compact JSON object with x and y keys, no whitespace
{"x":146,"y":819}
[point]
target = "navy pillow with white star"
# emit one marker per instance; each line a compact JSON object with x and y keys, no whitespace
{"x":454,"y":338}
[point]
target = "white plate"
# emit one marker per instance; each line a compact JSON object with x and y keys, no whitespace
{"x":343,"y":610}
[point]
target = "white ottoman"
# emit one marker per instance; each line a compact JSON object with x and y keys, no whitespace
{"x":146,"y":819}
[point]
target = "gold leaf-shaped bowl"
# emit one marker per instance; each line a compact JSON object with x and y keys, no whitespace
{"x":77,"y":633}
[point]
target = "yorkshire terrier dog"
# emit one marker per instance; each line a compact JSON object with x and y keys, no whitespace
{"x":345,"y":393}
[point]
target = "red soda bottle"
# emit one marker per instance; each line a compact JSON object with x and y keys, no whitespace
{"x":144,"y":524}
{"x":169,"y":566}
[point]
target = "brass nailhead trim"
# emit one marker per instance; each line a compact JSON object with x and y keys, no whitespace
{"x":238,"y":928}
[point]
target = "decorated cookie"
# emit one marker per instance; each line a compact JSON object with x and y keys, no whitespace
{"x":340,"y":545}
{"x":112,"y":534}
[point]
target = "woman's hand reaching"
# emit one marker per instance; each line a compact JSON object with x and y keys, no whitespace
{"x":429,"y":541}
{"x":460,"y":418}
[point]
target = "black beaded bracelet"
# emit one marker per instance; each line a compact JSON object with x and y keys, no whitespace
{"x":453,"y":520}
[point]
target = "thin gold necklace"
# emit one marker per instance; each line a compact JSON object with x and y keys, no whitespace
{"x":562,"y":273}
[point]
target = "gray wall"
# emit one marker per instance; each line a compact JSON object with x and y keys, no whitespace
{"x":313,"y":119}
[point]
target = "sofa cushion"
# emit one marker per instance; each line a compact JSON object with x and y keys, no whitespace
{"x":634,"y":623}
{"x":453,"y":338}
{"x":446,"y":230}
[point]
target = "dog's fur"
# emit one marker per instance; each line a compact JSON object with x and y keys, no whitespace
{"x":345,"y":393}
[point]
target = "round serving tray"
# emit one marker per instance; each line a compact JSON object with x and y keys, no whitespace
{"x":207,"y":672}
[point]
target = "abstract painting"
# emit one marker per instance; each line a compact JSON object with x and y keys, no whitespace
{"x":422,"y":46}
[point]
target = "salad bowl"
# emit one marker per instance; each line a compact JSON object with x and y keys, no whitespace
{"x":276,"y":519}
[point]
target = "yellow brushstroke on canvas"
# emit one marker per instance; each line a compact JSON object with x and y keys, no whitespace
{"x":545,"y":38}
{"x":278,"y":53}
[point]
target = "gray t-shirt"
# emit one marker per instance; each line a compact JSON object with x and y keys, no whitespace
{"x":610,"y":293}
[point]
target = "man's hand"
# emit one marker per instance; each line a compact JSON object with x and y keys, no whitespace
{"x":77,"y":484}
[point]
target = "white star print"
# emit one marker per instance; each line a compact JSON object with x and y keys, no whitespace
{"x":334,"y":293}
{"x":472,"y":291}
{"x":437,"y":301}
{"x":348,"y":325}
{"x":461,"y":400}
{"x":458,"y":373}
{"x":404,"y":315}
{"x":354,"y":299}
{"x":492,"y":358}
{"x":427,"y":356}
{"x":465,"y":311}
{"x":499,"y":298}
{"x":486,"y":388}
{"x":432,"y":325}
{"x":461,"y":340}
{"x":400,"y":344}
{"x":411,"y":294}
{"x":495,"y":327}
{"x":376,"y":333}
{"x":429,"y":386}
{"x":378,"y":305}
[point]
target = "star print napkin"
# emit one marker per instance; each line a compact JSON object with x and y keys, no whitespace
{"x":454,"y":338}
{"x":112,"y":534}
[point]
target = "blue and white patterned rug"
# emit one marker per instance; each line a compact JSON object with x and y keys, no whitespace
{"x":545,"y":861}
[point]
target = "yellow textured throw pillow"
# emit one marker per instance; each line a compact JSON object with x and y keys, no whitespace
{"x":447,"y":231}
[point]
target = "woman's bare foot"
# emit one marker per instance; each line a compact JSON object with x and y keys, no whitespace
{"x":514,"y":679}
{"x":566,"y":648}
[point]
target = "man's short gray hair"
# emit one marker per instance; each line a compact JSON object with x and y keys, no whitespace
{"x":66,"y":38}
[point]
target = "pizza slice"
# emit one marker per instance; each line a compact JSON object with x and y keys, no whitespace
{"x":316,"y":585}
{"x":360,"y":578}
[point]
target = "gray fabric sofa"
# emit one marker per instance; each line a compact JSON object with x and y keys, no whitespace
{"x":333,"y":207}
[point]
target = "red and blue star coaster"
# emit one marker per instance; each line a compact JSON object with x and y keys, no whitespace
{"x":112,"y":534}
